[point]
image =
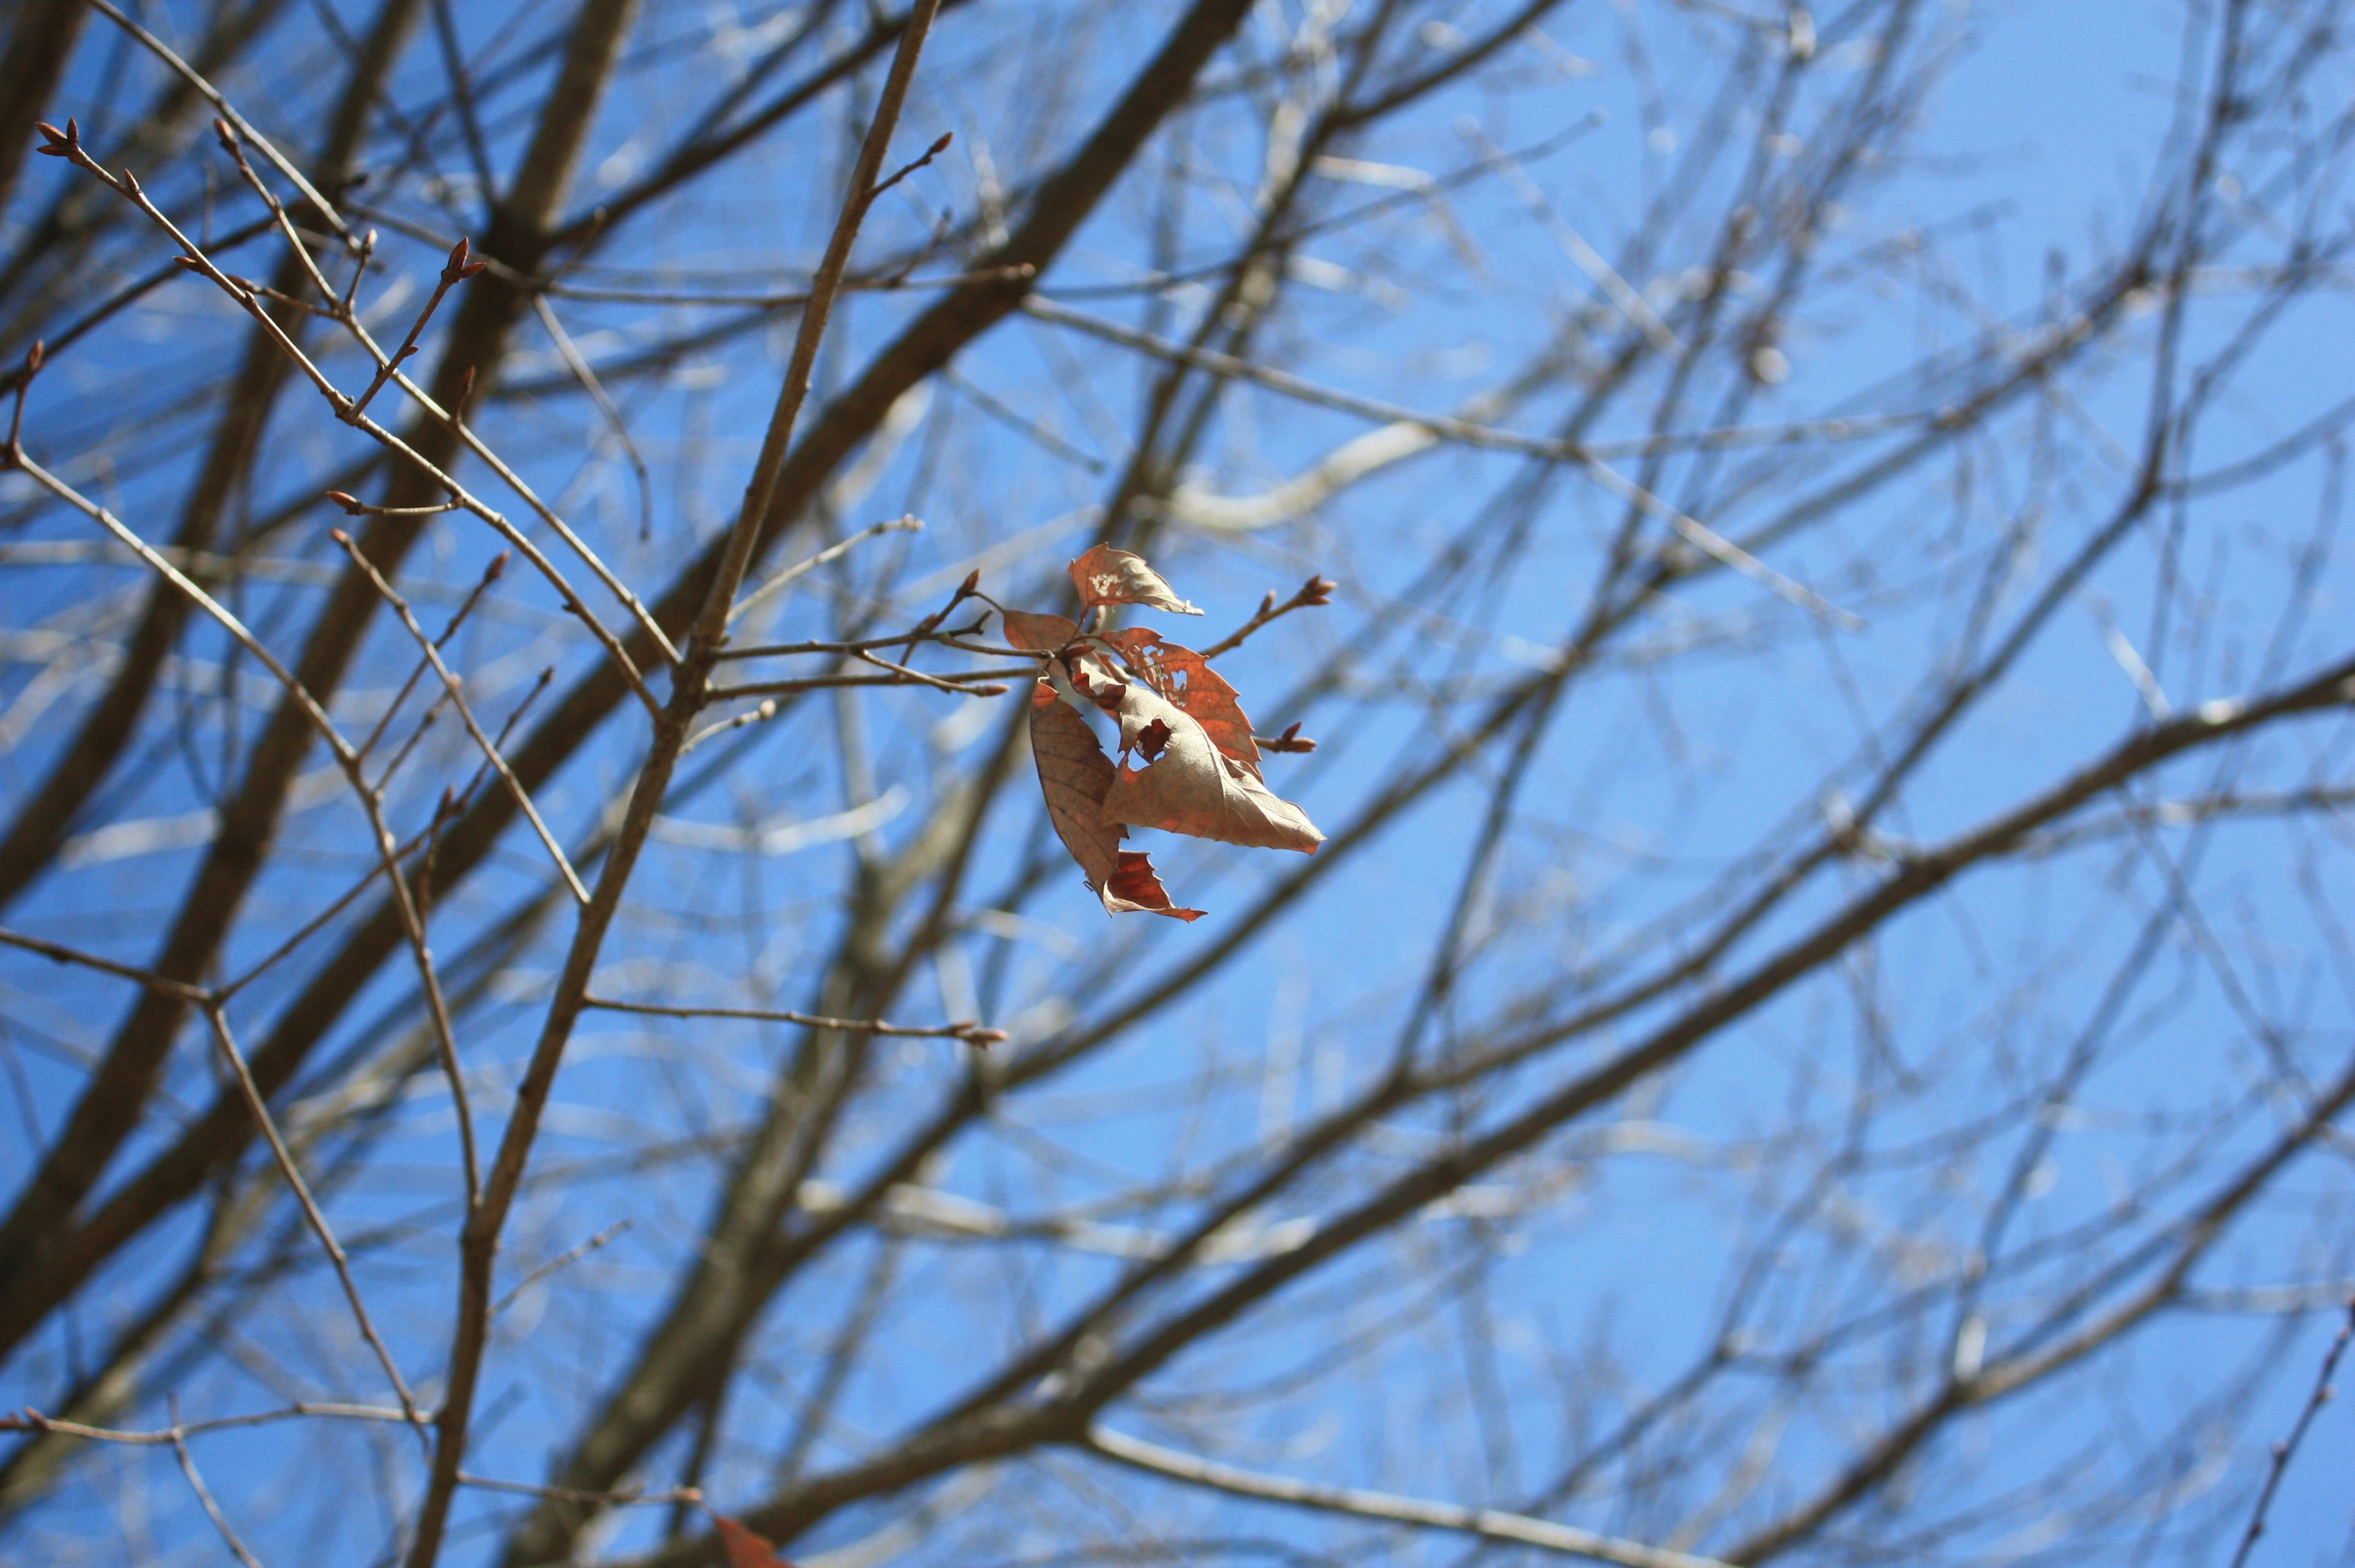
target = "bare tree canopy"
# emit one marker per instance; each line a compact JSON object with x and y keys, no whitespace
{"x":602,"y":689}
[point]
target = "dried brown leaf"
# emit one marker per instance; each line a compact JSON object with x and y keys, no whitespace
{"x":1185,"y":678}
{"x":1075,"y":776}
{"x":1190,"y":786}
{"x":1109,"y":576}
{"x":1134,"y":641}
{"x":1037,"y":633}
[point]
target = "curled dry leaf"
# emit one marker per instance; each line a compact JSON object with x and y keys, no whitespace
{"x":1075,"y":776}
{"x":1190,"y":785}
{"x":1185,"y":678}
{"x":1109,"y":576}
{"x":745,"y":1549}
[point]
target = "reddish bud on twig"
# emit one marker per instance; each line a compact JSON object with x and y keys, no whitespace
{"x":352,"y":505}
{"x":1318,"y":591}
{"x":459,"y":267}
{"x":340,"y":537}
{"x":132,"y":181}
{"x":497,"y":569}
{"x":226,"y":135}
{"x":34,"y":355}
{"x":58,"y":143}
{"x":1290,"y":740}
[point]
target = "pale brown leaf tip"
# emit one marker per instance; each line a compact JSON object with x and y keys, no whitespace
{"x":1109,"y":576}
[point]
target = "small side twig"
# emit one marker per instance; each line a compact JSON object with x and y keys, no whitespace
{"x":203,"y":1493}
{"x":935,"y":151}
{"x":58,"y":953}
{"x":1314,"y":591}
{"x":626,"y":1497}
{"x":867,"y":644}
{"x":930,"y":680}
{"x":793,"y":573}
{"x":970,"y":1032}
{"x":259,"y":1109}
{"x":564,"y":1259}
{"x":455,"y":270}
{"x":2287,"y":1449}
{"x":953,"y":682}
{"x":465,"y":713}
{"x":353,"y":507}
{"x":491,"y":574}
{"x":34,"y":359}
{"x":577,"y":363}
{"x":31,"y":1420}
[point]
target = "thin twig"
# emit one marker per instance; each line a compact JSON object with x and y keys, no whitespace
{"x":826,"y":682}
{"x":795,"y":572}
{"x":221,"y":106}
{"x":491,"y":574}
{"x":259,"y":1109}
{"x":934,"y":681}
{"x":935,"y":151}
{"x":867,"y":644}
{"x":561,"y":1260}
{"x":970,"y":1030}
{"x":1016,"y":273}
{"x":1489,"y":1523}
{"x":578,"y":363}
{"x":624,"y":1498}
{"x":453,"y":272}
{"x":32,"y":1420}
{"x":1316,"y":590}
{"x":203,"y":1493}
{"x":2287,"y":1449}
{"x":59,"y":953}
{"x":465,"y":713}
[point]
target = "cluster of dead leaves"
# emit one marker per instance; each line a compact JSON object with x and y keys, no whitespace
{"x":1200,"y":772}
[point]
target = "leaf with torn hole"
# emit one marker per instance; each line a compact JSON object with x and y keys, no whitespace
{"x":746,"y":1550}
{"x":1134,"y":641}
{"x":1109,"y":576}
{"x":1189,"y":785}
{"x":1075,"y":775}
{"x":1185,"y":678}
{"x":1037,"y":633}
